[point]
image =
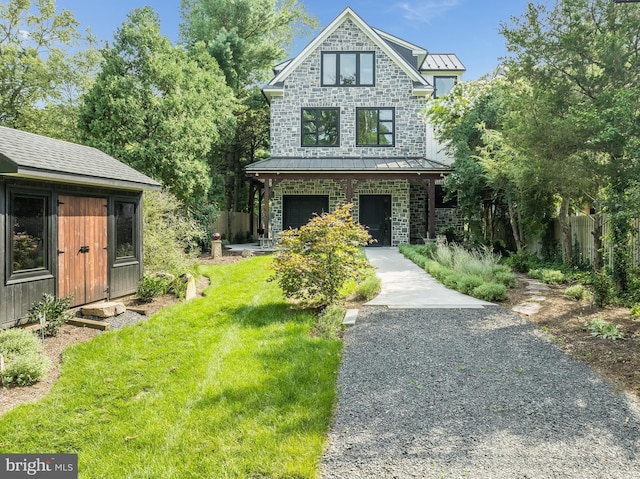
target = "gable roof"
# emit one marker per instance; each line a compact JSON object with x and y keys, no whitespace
{"x":376,"y":36}
{"x":27,"y":155}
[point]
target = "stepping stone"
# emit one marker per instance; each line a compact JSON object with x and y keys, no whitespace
{"x":103,"y":310}
{"x":527,"y":308}
{"x":536,"y":298}
{"x":537,"y":287}
{"x":350,"y":317}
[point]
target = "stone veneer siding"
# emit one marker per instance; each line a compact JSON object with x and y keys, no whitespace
{"x":446,"y":217}
{"x":393,"y":88}
{"x":398,"y":189}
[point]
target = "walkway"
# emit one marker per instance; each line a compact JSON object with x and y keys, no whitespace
{"x":473,"y":392}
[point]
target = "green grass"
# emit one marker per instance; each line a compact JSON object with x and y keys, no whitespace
{"x":231,"y":385}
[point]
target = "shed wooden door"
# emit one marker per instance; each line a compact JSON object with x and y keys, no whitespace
{"x":82,"y":248}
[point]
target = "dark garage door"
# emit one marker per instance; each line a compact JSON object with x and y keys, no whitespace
{"x":299,"y":209}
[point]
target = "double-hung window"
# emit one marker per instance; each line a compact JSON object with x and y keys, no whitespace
{"x":348,"y":68}
{"x":375,"y":126}
{"x":320,"y":127}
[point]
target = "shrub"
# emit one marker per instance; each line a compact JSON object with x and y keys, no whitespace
{"x":329,"y":322}
{"x":635,"y":311}
{"x":54,"y":310}
{"x":171,"y":236}
{"x":466,"y":283}
{"x":315,"y":261}
{"x":506,"y":278}
{"x":604,"y":329}
{"x":24,"y":370}
{"x":16,"y":342}
{"x":490,"y":292}
{"x":603,"y":290}
{"x":153,"y":285}
{"x":522,"y":262}
{"x":576,"y":292}
{"x":549,"y":276}
{"x":368,"y":288}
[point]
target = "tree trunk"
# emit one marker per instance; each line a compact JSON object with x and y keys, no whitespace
{"x":565,"y":228}
{"x":513,"y":221}
{"x":598,"y":262}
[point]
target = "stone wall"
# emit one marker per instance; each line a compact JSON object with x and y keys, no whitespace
{"x":397,"y":189}
{"x":393,"y":88}
{"x":446,"y":217}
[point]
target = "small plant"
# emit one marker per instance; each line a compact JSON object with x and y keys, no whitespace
{"x":466,"y":283}
{"x":329,"y":322}
{"x":25,"y":370}
{"x":152,"y":286}
{"x":24,"y":365}
{"x":54,"y":310}
{"x":521,"y":262}
{"x":368,"y":288}
{"x":506,"y":278}
{"x":548,"y":276}
{"x":600,"y":328}
{"x":315,"y":261}
{"x":490,"y":292}
{"x":576,"y":292}
{"x":635,"y":311}
{"x":603,"y":290}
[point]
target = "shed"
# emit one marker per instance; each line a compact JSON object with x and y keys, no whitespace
{"x":70,"y":223}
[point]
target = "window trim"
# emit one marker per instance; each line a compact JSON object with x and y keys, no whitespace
{"x":44,"y":272}
{"x":393,"y":121}
{"x":302,"y":123}
{"x":357,"y":82}
{"x":435,"y":90}
{"x":134,"y":239}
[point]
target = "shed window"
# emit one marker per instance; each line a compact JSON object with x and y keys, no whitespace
{"x":29,"y":233}
{"x":375,"y":126}
{"x":125,"y":215}
{"x":348,"y":68}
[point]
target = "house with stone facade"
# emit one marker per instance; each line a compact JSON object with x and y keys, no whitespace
{"x":347,"y":125}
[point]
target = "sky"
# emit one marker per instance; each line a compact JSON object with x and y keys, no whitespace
{"x":468,"y":28}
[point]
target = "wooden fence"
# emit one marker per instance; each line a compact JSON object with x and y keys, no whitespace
{"x":582,"y":230}
{"x":233,"y":225}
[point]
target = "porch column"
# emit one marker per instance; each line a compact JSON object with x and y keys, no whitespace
{"x":267,"y":197}
{"x":252,"y":205}
{"x":432,"y":208}
{"x":349,"y":192}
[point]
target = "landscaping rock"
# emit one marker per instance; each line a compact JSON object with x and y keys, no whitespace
{"x":190,"y":292}
{"x":246,"y":253}
{"x":527,"y":308}
{"x":536,"y":298}
{"x":537,"y":287}
{"x":103,"y":310}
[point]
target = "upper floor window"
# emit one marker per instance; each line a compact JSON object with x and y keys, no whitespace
{"x":375,"y":126}
{"x":320,"y":127}
{"x":443,"y":85}
{"x":28,"y":233}
{"x":348,"y":68}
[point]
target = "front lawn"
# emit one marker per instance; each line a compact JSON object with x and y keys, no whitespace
{"x":231,"y":385}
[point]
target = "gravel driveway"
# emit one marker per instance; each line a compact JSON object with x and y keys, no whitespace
{"x":473,"y":393}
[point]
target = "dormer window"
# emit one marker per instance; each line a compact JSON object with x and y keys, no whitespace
{"x":443,"y":85}
{"x":348,"y":68}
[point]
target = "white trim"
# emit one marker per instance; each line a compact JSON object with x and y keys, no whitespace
{"x":348,"y":13}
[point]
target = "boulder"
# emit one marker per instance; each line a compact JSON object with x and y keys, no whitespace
{"x":103,"y":310}
{"x":246,"y":253}
{"x":190,"y":291}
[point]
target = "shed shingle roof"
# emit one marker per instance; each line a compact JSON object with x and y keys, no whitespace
{"x":29,"y":155}
{"x":352,"y":165}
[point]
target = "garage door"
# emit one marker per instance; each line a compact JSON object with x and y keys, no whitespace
{"x":299,"y":209}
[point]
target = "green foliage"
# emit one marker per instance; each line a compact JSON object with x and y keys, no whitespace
{"x":548,"y":276}
{"x":522,"y":261}
{"x":490,"y":292}
{"x":152,"y":286}
{"x":314,"y":262}
{"x":635,"y":311}
{"x":603,"y":288}
{"x":205,"y":214}
{"x":24,"y":365}
{"x":329,"y":322}
{"x":474,"y":272}
{"x":171,"y":237}
{"x":600,"y":328}
{"x":54,"y":310}
{"x":577,"y":292}
{"x":41,"y":82}
{"x":157,"y":107}
{"x":369,"y":287}
{"x":17,"y":342}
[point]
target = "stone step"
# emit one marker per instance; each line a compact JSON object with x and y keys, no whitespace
{"x":105,"y":309}
{"x":350,"y":317}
